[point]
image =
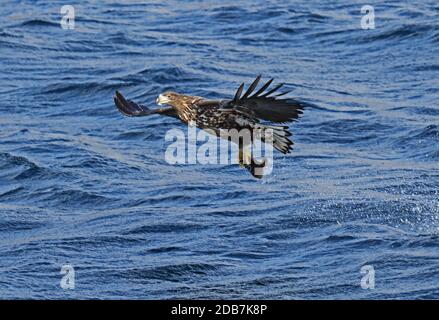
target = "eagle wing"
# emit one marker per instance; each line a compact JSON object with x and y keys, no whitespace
{"x":265,"y":103}
{"x":131,"y":109}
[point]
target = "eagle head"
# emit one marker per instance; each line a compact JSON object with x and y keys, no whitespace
{"x":168,"y":97}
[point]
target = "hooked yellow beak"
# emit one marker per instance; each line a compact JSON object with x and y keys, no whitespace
{"x":162,"y":100}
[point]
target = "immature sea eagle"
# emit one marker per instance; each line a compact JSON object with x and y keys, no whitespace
{"x":244,"y":111}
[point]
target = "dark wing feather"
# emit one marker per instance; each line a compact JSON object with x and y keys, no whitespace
{"x":266,"y":106}
{"x":267,"y":94}
{"x":263,"y":88}
{"x":252,"y":87}
{"x":131,"y":109}
{"x":238,"y":92}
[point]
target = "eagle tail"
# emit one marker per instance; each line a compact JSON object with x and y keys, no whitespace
{"x":280,"y":138}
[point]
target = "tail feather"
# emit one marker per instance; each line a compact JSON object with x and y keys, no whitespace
{"x":280,"y":139}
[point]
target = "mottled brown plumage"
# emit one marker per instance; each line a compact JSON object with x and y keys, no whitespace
{"x":250,"y":110}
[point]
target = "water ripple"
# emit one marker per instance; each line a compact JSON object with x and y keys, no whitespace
{"x":82,"y":185}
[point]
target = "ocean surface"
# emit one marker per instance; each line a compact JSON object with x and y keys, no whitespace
{"x":81,"y":185}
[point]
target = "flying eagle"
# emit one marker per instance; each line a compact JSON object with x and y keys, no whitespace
{"x":251,"y":110}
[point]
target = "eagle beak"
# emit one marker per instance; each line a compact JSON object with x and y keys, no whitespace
{"x":162,"y":100}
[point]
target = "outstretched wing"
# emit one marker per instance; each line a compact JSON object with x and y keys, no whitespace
{"x":266,"y":103}
{"x":131,"y":109}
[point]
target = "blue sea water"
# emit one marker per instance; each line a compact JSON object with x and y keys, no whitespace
{"x":82,"y":185}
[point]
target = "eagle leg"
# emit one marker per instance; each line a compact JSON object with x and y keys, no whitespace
{"x":244,"y":157}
